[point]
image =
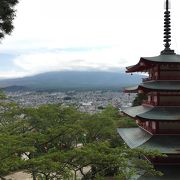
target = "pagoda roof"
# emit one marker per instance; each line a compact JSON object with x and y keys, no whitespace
{"x":137,"y":110}
{"x":157,"y":113}
{"x":172,"y":58}
{"x":134,"y":137}
{"x":156,"y":85}
{"x":138,"y":138}
{"x":145,"y":62}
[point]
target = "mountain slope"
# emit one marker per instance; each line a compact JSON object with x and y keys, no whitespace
{"x":75,"y":80}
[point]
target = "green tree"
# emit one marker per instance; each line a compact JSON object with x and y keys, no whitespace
{"x":52,"y":128}
{"x":56,"y":142}
{"x":7,"y":14}
{"x":139,"y":99}
{"x":100,"y":126}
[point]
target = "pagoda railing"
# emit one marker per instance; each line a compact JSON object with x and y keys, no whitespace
{"x":146,"y":102}
{"x":169,"y":77}
{"x":162,"y":78}
{"x":168,"y":131}
{"x":166,"y":160}
{"x":169,"y":103}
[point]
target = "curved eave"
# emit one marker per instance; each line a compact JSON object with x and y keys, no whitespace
{"x":161,"y":86}
{"x":146,"y":62}
{"x":134,"y":137}
{"x":172,"y":86}
{"x":167,"y":113}
{"x":138,"y":138}
{"x":158,"y":113}
{"x":164,"y":143}
{"x":137,"y":110}
{"x":173,"y":58}
{"x":139,"y":67}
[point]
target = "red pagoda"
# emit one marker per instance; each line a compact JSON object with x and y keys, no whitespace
{"x":158,"y":118}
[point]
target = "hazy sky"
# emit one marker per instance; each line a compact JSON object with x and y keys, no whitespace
{"x":85,"y":35}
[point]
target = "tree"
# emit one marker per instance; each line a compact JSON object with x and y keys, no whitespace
{"x":47,"y":138}
{"x":12,"y":143}
{"x":53,"y":128}
{"x":7,"y":14}
{"x":139,"y":99}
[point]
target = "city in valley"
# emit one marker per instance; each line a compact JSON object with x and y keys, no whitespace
{"x":85,"y":101}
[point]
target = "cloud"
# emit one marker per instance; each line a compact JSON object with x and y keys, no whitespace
{"x":56,"y":35}
{"x":95,"y":59}
{"x":12,"y":74}
{"x":69,"y":23}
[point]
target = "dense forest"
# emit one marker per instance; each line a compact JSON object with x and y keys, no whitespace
{"x":57,"y":142}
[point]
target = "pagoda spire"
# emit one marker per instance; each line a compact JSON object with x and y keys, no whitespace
{"x":167,"y":30}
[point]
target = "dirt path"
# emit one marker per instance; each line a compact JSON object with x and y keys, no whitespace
{"x":19,"y":176}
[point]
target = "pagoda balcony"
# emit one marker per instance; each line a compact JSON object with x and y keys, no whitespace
{"x":151,"y":103}
{"x":169,"y":77}
{"x":168,"y":131}
{"x":158,"y":131}
{"x":174,"y":78}
{"x":169,"y":104}
{"x":166,"y":160}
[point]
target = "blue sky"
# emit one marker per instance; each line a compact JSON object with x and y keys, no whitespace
{"x":52,"y":35}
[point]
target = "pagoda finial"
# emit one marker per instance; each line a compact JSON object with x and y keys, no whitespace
{"x":167,"y":30}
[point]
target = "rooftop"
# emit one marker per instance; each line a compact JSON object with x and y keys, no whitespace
{"x":157,"y":113}
{"x":146,"y":62}
{"x":138,"y":138}
{"x":173,"y":58}
{"x":156,"y":85}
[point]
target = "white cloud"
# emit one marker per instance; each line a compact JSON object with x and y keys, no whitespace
{"x":12,"y":74}
{"x":69,"y":23}
{"x":132,"y":28}
{"x":104,"y":59}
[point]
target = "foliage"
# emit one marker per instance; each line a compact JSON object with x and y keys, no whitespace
{"x":2,"y":95}
{"x":7,"y":14}
{"x":101,"y":126}
{"x":139,"y":99}
{"x":57,"y":142}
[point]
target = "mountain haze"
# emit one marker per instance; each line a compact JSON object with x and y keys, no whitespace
{"x":75,"y":80}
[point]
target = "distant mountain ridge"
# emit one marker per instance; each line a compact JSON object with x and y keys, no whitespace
{"x":74,"y":80}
